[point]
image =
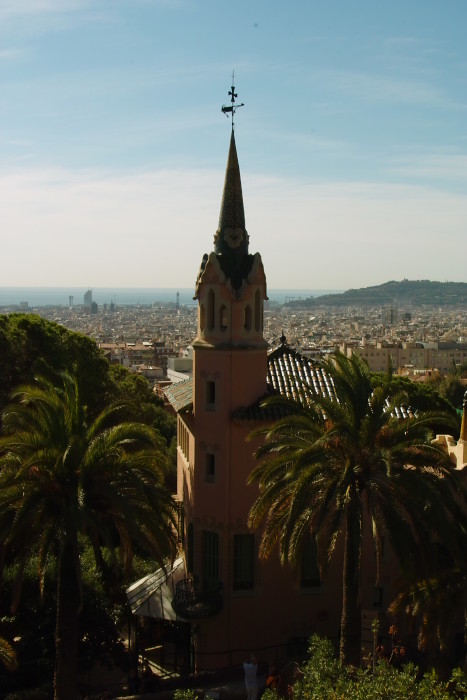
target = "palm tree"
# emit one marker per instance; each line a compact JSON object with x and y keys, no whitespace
{"x":331,"y":462}
{"x":438,"y":599}
{"x":8,"y":655}
{"x":62,"y":479}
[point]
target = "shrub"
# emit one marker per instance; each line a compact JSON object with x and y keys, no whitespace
{"x":188,"y":694}
{"x":324,"y":679}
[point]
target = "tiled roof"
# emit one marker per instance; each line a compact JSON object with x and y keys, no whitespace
{"x":180,"y":395}
{"x":288,"y":374}
{"x":292,"y":375}
{"x":297,"y":377}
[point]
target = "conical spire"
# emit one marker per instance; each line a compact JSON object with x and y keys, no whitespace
{"x":231,"y":238}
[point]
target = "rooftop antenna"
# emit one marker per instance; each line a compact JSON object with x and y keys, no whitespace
{"x":233,"y":107}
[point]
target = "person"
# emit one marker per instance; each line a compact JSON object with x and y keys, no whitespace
{"x":273,"y":680}
{"x":250,"y":667}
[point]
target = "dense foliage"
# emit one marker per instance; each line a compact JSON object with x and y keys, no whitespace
{"x":64,"y":476}
{"x":342,"y":464}
{"x":450,"y":386}
{"x":29,"y":343}
{"x":325,"y":679}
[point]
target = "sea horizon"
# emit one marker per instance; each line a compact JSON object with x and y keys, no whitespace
{"x":35,"y":297}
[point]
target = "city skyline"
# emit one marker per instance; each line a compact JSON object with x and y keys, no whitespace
{"x":352,"y":142}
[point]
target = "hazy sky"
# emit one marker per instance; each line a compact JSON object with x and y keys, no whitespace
{"x":352,"y":142}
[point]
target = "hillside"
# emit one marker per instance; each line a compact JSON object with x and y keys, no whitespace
{"x":405,"y":293}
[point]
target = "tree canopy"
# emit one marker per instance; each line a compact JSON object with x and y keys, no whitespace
{"x":63,"y":476}
{"x":327,"y":466}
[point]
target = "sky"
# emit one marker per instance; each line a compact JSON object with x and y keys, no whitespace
{"x":352,"y":141}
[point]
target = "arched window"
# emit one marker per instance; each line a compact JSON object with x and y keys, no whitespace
{"x":211,"y":306}
{"x":247,"y":323}
{"x":223,"y":317}
{"x":202,"y":319}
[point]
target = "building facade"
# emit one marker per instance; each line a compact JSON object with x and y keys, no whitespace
{"x":415,"y":356}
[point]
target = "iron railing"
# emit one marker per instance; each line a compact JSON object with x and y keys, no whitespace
{"x":190,"y":602}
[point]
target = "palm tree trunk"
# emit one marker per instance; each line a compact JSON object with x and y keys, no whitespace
{"x":66,"y":633}
{"x":350,"y":620}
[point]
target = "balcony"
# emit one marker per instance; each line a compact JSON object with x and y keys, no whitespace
{"x":191,"y":603}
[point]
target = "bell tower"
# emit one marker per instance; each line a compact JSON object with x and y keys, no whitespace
{"x":230,"y":353}
{"x":214,"y":455}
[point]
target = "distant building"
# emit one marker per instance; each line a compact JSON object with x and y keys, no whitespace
{"x":442,"y":357}
{"x":130,"y":355}
{"x":179,"y":368}
{"x":389,"y":316}
{"x":152,"y":374}
{"x":87,"y":300}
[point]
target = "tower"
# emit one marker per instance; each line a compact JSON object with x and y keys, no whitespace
{"x":232,"y":600}
{"x":230,"y":353}
{"x":229,"y":372}
{"x":87,"y":301}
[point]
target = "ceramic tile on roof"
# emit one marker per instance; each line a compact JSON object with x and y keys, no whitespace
{"x":297,"y":377}
{"x":180,"y":395}
{"x":292,"y":375}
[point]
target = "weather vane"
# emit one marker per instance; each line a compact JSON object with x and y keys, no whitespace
{"x":233,"y":107}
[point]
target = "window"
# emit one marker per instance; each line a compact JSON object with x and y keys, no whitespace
{"x":247,"y":321}
{"x":202,"y":319}
{"x":210,"y":560}
{"x":210,"y":467}
{"x":309,"y":574}
{"x":243,"y":564}
{"x":210,"y":394}
{"x":223,"y":318}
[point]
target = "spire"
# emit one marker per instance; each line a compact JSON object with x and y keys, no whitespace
{"x":231,"y":236}
{"x":231,"y":239}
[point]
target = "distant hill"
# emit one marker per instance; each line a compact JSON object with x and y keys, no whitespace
{"x":405,"y":293}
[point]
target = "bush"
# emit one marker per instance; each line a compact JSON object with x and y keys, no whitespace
{"x":188,"y":694}
{"x":324,"y":679}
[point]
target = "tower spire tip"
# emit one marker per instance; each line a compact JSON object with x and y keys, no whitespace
{"x":232,"y":108}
